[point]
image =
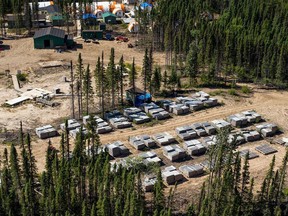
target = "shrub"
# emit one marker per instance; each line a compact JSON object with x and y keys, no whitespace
{"x":232,"y":92}
{"x":217,"y":92}
{"x":22,"y":77}
{"x":246,"y":90}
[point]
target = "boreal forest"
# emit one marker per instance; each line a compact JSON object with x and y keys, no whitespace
{"x":204,"y":40}
{"x":244,"y":39}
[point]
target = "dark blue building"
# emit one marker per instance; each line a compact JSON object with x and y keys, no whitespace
{"x":137,"y":96}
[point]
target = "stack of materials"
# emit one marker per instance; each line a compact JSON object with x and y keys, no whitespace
{"x":148,"y":183}
{"x":192,"y":103}
{"x":102,"y":126}
{"x":194,"y":147}
{"x":46,"y":131}
{"x":237,"y":120}
{"x":178,"y":109}
{"x":117,"y":149}
{"x":117,"y":120}
{"x":200,"y":130}
{"x":252,"y":116}
{"x":251,"y":136}
{"x":171,"y":175}
{"x":150,"y":157}
{"x":186,"y":132}
{"x":267,"y":129}
{"x":208,"y":165}
{"x":209,"y":128}
{"x":140,"y":142}
{"x":136,"y":115}
{"x":165,"y":104}
{"x":73,"y":133}
{"x":174,"y":152}
{"x":236,"y":138}
{"x":72,"y":124}
{"x":137,"y":142}
{"x":202,"y":94}
{"x":209,"y":141}
{"x":282,"y":141}
{"x":206,"y":99}
{"x":164,"y":138}
{"x":149,"y":142}
{"x":155,"y":111}
{"x":220,"y":124}
{"x":191,"y":170}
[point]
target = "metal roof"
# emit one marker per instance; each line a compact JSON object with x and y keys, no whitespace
{"x":52,"y":9}
{"x":107,"y":14}
{"x":18,"y":100}
{"x":50,"y":31}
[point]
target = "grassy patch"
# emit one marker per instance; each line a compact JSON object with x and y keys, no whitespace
{"x":232,"y":92}
{"x":246,"y":90}
{"x":217,"y":92}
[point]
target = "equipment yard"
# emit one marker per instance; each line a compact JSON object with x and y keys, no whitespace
{"x":272,"y":105}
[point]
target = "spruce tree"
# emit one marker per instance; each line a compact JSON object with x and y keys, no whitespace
{"x":87,"y":89}
{"x":122,"y":70}
{"x":146,"y":70}
{"x":111,"y":74}
{"x":79,"y":80}
{"x":191,"y":67}
{"x":156,"y":80}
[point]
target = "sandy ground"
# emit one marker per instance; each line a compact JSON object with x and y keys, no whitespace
{"x":273,"y":105}
{"x":22,"y":54}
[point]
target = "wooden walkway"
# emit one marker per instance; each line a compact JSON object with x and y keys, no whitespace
{"x":16,"y":83}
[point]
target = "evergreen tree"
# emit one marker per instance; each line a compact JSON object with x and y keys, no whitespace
{"x":145,"y":70}
{"x":191,"y":67}
{"x":87,"y":89}
{"x":79,"y":80}
{"x":122,"y":70}
{"x":156,"y":80}
{"x":111,"y":74}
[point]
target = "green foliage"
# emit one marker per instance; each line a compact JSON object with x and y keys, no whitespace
{"x":22,"y":77}
{"x":246,"y":90}
{"x":228,"y":34}
{"x":156,"y":80}
{"x":232,"y":92}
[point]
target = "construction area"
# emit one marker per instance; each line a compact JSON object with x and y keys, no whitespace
{"x":162,"y":131}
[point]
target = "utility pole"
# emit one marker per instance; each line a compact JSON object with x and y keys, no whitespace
{"x":102,"y":84}
{"x":72,"y":90}
{"x":121,"y":84}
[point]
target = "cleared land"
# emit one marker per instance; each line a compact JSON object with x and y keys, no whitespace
{"x":271,"y":104}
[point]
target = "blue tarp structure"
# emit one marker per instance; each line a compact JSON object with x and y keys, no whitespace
{"x":138,"y":96}
{"x":87,"y":16}
{"x":140,"y":99}
{"x":146,"y":5}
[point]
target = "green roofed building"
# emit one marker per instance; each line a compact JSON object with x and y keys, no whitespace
{"x":109,"y":18}
{"x":49,"y":38}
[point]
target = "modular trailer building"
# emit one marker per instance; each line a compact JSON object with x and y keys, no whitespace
{"x":92,"y":34}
